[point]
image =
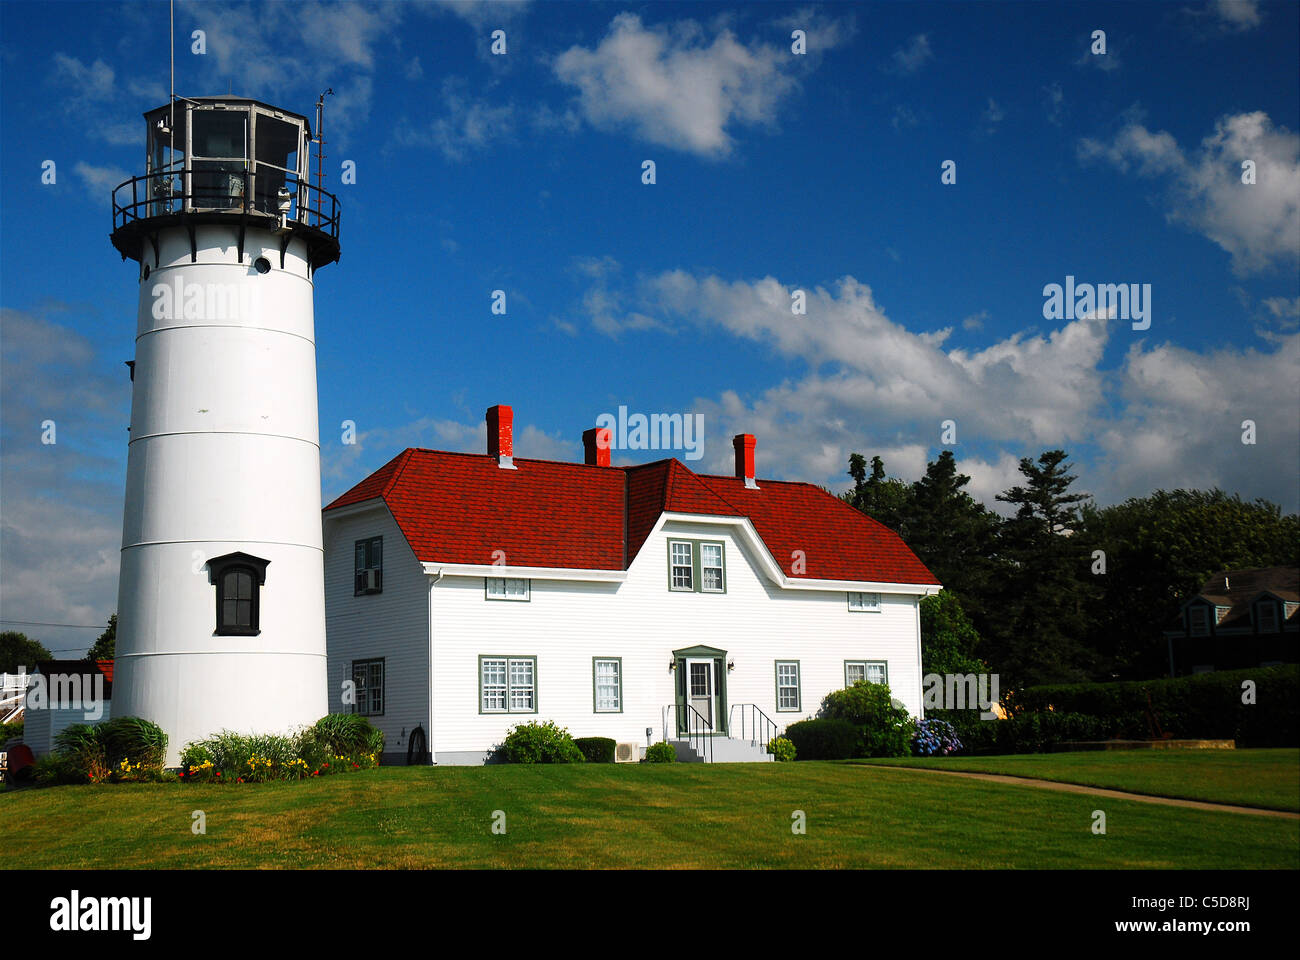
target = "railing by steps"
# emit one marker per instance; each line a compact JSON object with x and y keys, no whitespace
{"x":755,"y":725}
{"x":699,"y":732}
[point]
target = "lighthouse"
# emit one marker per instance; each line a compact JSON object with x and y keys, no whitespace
{"x":221,"y":610}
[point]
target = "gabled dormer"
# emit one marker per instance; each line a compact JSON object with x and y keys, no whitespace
{"x":1200,"y":617}
{"x":1267,"y":613}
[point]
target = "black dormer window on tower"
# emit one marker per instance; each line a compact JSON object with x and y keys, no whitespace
{"x":238,"y":578}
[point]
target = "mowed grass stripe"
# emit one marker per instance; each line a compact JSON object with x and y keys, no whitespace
{"x":1268,"y":778}
{"x":672,"y":816}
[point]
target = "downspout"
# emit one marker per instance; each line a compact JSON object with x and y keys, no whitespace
{"x":433,"y":582}
{"x":920,"y":667}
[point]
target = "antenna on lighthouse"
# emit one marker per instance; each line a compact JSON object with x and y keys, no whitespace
{"x":320,"y":142}
{"x":171,"y":114}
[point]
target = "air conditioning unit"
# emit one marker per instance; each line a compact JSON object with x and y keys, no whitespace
{"x":627,"y":753}
{"x":372,"y":579}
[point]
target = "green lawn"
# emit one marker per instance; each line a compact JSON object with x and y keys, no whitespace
{"x":679,"y":815}
{"x":1252,"y":778}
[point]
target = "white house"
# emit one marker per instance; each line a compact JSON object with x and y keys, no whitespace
{"x":466,"y":593}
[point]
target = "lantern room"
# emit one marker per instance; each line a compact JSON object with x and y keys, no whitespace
{"x":237,"y":148}
{"x":208,"y":158}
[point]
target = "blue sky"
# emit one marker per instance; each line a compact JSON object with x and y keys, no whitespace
{"x":775,"y":172}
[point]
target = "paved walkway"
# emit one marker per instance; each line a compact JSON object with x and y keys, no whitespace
{"x":1095,"y":791}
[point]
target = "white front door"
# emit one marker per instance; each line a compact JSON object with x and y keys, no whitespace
{"x":699,"y":691}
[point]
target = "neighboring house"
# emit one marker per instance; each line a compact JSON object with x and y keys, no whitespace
{"x":466,"y":593}
{"x":13,"y":693}
{"x":75,"y":691}
{"x":1239,"y":618}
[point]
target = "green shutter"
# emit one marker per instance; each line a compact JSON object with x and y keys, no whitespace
{"x":720,"y":688}
{"x":681,"y":696}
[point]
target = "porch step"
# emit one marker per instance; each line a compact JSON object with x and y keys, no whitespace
{"x":725,"y":750}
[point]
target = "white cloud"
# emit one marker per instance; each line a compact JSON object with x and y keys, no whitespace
{"x":344,"y":465}
{"x":676,"y":86}
{"x":100,"y":181}
{"x":467,"y":124}
{"x":912,"y":57}
{"x":822,"y":32}
{"x":1238,"y":15}
{"x":276,"y":53}
{"x":1259,"y":224}
{"x":61,"y":527}
{"x":486,"y":14}
{"x":1182,"y":421}
{"x":992,"y":116}
{"x":903,"y":117}
{"x":86,"y":83}
{"x":869,"y":384}
{"x":1054,"y":98}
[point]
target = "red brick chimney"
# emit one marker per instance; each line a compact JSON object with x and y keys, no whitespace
{"x":500,"y":435}
{"x":744,"y":444}
{"x":595,"y":446}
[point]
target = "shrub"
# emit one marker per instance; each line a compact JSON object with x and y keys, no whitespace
{"x":824,"y":739}
{"x":53,"y":768}
{"x":781,"y":749}
{"x":885,"y":728}
{"x":132,"y":742}
{"x":11,"y":731}
{"x":596,"y":749}
{"x":661,"y":752}
{"x":348,"y":734}
{"x":934,"y":737}
{"x":535,"y":742}
{"x":124,"y":748}
{"x":79,"y":744}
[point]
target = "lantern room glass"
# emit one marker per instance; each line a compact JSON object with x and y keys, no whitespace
{"x":213,"y":153}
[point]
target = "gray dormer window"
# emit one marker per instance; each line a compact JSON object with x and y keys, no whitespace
{"x":1198,"y":620}
{"x":1266,"y":616}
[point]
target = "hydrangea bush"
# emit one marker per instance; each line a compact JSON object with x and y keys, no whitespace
{"x":935,"y":738}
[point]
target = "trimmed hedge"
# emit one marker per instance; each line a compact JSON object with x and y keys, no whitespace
{"x":1206,"y":706}
{"x":823,"y":739}
{"x":596,"y":749}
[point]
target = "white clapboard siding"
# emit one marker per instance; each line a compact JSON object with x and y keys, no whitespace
{"x":565,"y":624}
{"x":40,"y":727}
{"x":393,"y":624}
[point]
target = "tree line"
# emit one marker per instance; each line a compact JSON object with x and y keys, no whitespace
{"x":1063,"y":590}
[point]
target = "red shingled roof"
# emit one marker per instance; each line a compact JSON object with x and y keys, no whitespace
{"x":460,"y":507}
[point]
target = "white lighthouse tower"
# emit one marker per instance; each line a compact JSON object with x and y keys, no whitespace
{"x":221,"y":610}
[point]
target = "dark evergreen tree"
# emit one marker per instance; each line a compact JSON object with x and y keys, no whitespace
{"x":1046,"y":593}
